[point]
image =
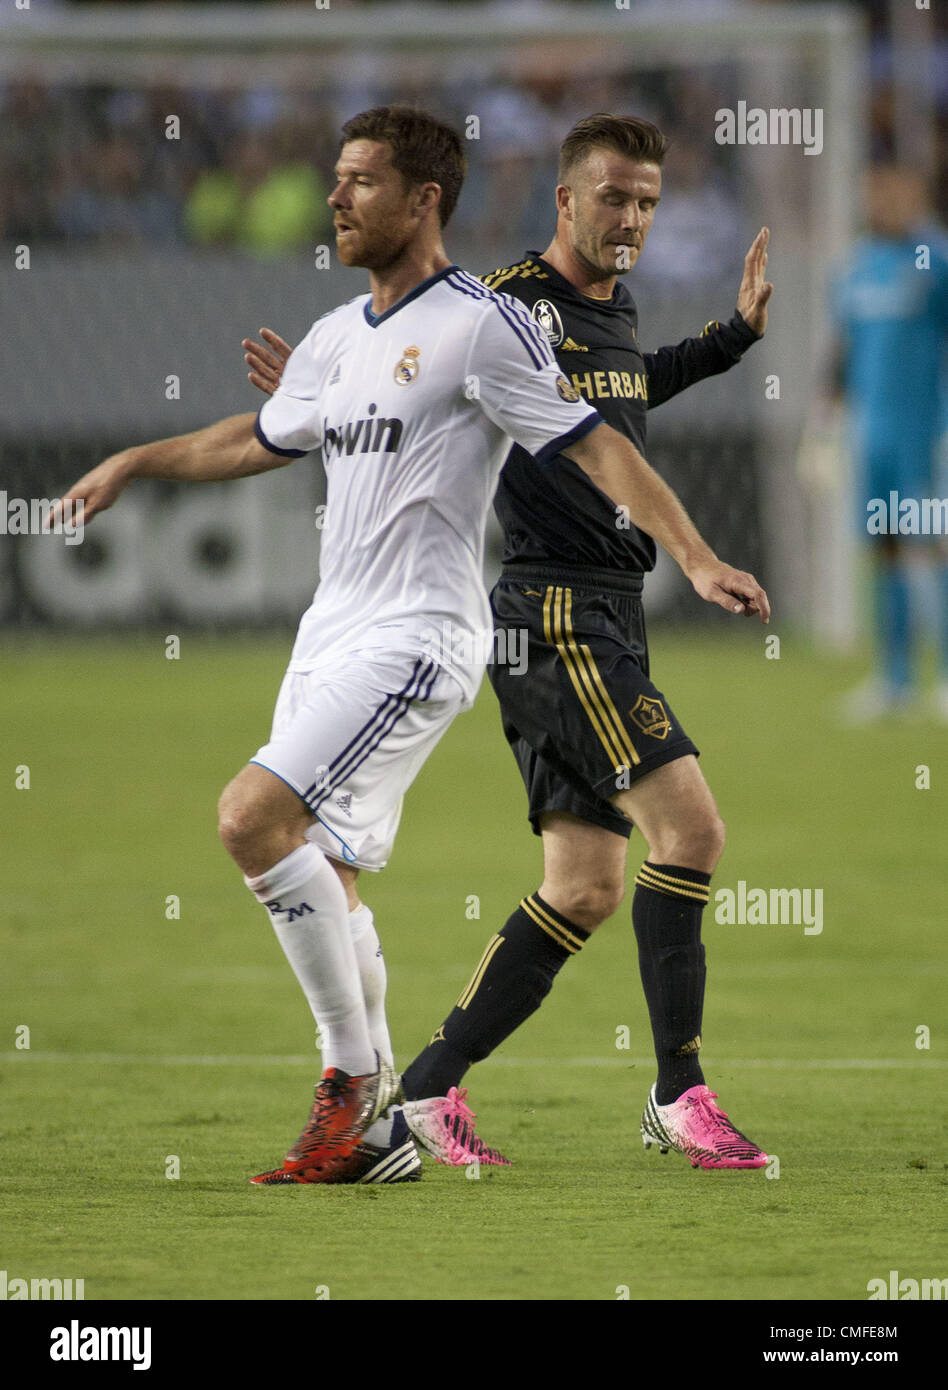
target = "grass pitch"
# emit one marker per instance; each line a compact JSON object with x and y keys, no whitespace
{"x":156,"y":1037}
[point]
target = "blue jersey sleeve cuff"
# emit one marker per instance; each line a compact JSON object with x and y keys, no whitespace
{"x":284,"y":453}
{"x":556,"y":446}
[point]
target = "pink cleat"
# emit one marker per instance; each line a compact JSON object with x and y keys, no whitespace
{"x":444,"y":1125}
{"x":693,"y":1125}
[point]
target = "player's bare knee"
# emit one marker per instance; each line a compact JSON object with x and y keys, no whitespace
{"x":711,"y":840}
{"x":590,"y":903}
{"x":237,"y":823}
{"x":243,"y":822}
{"x":705,"y":842}
{"x":696,"y":842}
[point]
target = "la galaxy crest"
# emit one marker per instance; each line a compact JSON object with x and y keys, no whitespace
{"x":548,"y":317}
{"x":406,"y":368}
{"x":649,"y":715}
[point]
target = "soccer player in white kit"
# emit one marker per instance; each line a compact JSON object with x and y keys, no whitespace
{"x":413,"y":392}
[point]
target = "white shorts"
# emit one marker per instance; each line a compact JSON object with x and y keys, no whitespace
{"x":350,"y":736}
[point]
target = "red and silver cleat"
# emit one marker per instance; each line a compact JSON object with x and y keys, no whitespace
{"x":343,"y":1109}
{"x":398,"y":1161}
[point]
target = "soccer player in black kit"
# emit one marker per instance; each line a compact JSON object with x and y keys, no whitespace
{"x":599,"y":747}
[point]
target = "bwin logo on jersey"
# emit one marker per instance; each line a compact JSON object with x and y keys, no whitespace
{"x":547,"y":316}
{"x":366,"y":436}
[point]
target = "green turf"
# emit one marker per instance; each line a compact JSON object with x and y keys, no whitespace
{"x":127,"y":752}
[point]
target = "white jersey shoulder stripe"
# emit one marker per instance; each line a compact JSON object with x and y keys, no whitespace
{"x":527,"y":330}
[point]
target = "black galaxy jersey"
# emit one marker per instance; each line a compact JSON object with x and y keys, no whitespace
{"x":551,"y":512}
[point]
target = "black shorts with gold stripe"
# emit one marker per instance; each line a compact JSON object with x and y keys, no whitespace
{"x":570,"y":670}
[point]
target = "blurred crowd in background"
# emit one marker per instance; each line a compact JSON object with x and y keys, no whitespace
{"x":91,"y":164}
{"x":250,"y":169}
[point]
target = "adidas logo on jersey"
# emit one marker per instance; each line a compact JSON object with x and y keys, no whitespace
{"x":365,"y":436}
{"x":344,"y":802}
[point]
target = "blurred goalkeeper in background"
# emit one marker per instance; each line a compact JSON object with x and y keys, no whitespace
{"x":891,"y":319}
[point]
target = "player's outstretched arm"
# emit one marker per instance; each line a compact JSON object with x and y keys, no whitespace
{"x":229,"y":449}
{"x":619,"y":470}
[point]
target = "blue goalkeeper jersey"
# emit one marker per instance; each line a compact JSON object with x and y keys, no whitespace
{"x":892,"y":318}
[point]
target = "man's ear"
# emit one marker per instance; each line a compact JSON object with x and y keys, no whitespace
{"x":564,"y":201}
{"x":429,"y":196}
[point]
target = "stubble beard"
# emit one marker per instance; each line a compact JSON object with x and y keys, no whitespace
{"x":605,"y":266}
{"x":375,"y":252}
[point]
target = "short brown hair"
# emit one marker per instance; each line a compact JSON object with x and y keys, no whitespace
{"x":628,"y":135}
{"x":424,"y":149}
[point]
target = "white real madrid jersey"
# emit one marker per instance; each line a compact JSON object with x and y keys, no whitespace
{"x":414,"y":411}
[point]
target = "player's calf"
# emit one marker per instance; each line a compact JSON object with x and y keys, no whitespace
{"x":512,"y":978}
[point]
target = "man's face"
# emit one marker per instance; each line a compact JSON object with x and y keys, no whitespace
{"x":895,"y":201}
{"x":610,"y":205}
{"x":372,"y":208}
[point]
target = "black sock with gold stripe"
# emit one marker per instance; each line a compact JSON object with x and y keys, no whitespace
{"x":514,"y":976}
{"x":666,"y":914}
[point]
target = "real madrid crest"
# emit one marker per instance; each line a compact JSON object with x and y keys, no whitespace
{"x":547,"y":316}
{"x":406,"y":368}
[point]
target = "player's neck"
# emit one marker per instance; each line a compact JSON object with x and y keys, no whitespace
{"x":580,"y":275}
{"x":392,"y":283}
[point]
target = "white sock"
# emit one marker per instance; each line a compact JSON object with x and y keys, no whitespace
{"x":372,"y":971}
{"x":310,"y":915}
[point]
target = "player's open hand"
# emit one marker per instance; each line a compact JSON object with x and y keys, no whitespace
{"x":732,"y":589}
{"x":755,"y":291}
{"x":95,"y":491}
{"x":266,"y":366}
